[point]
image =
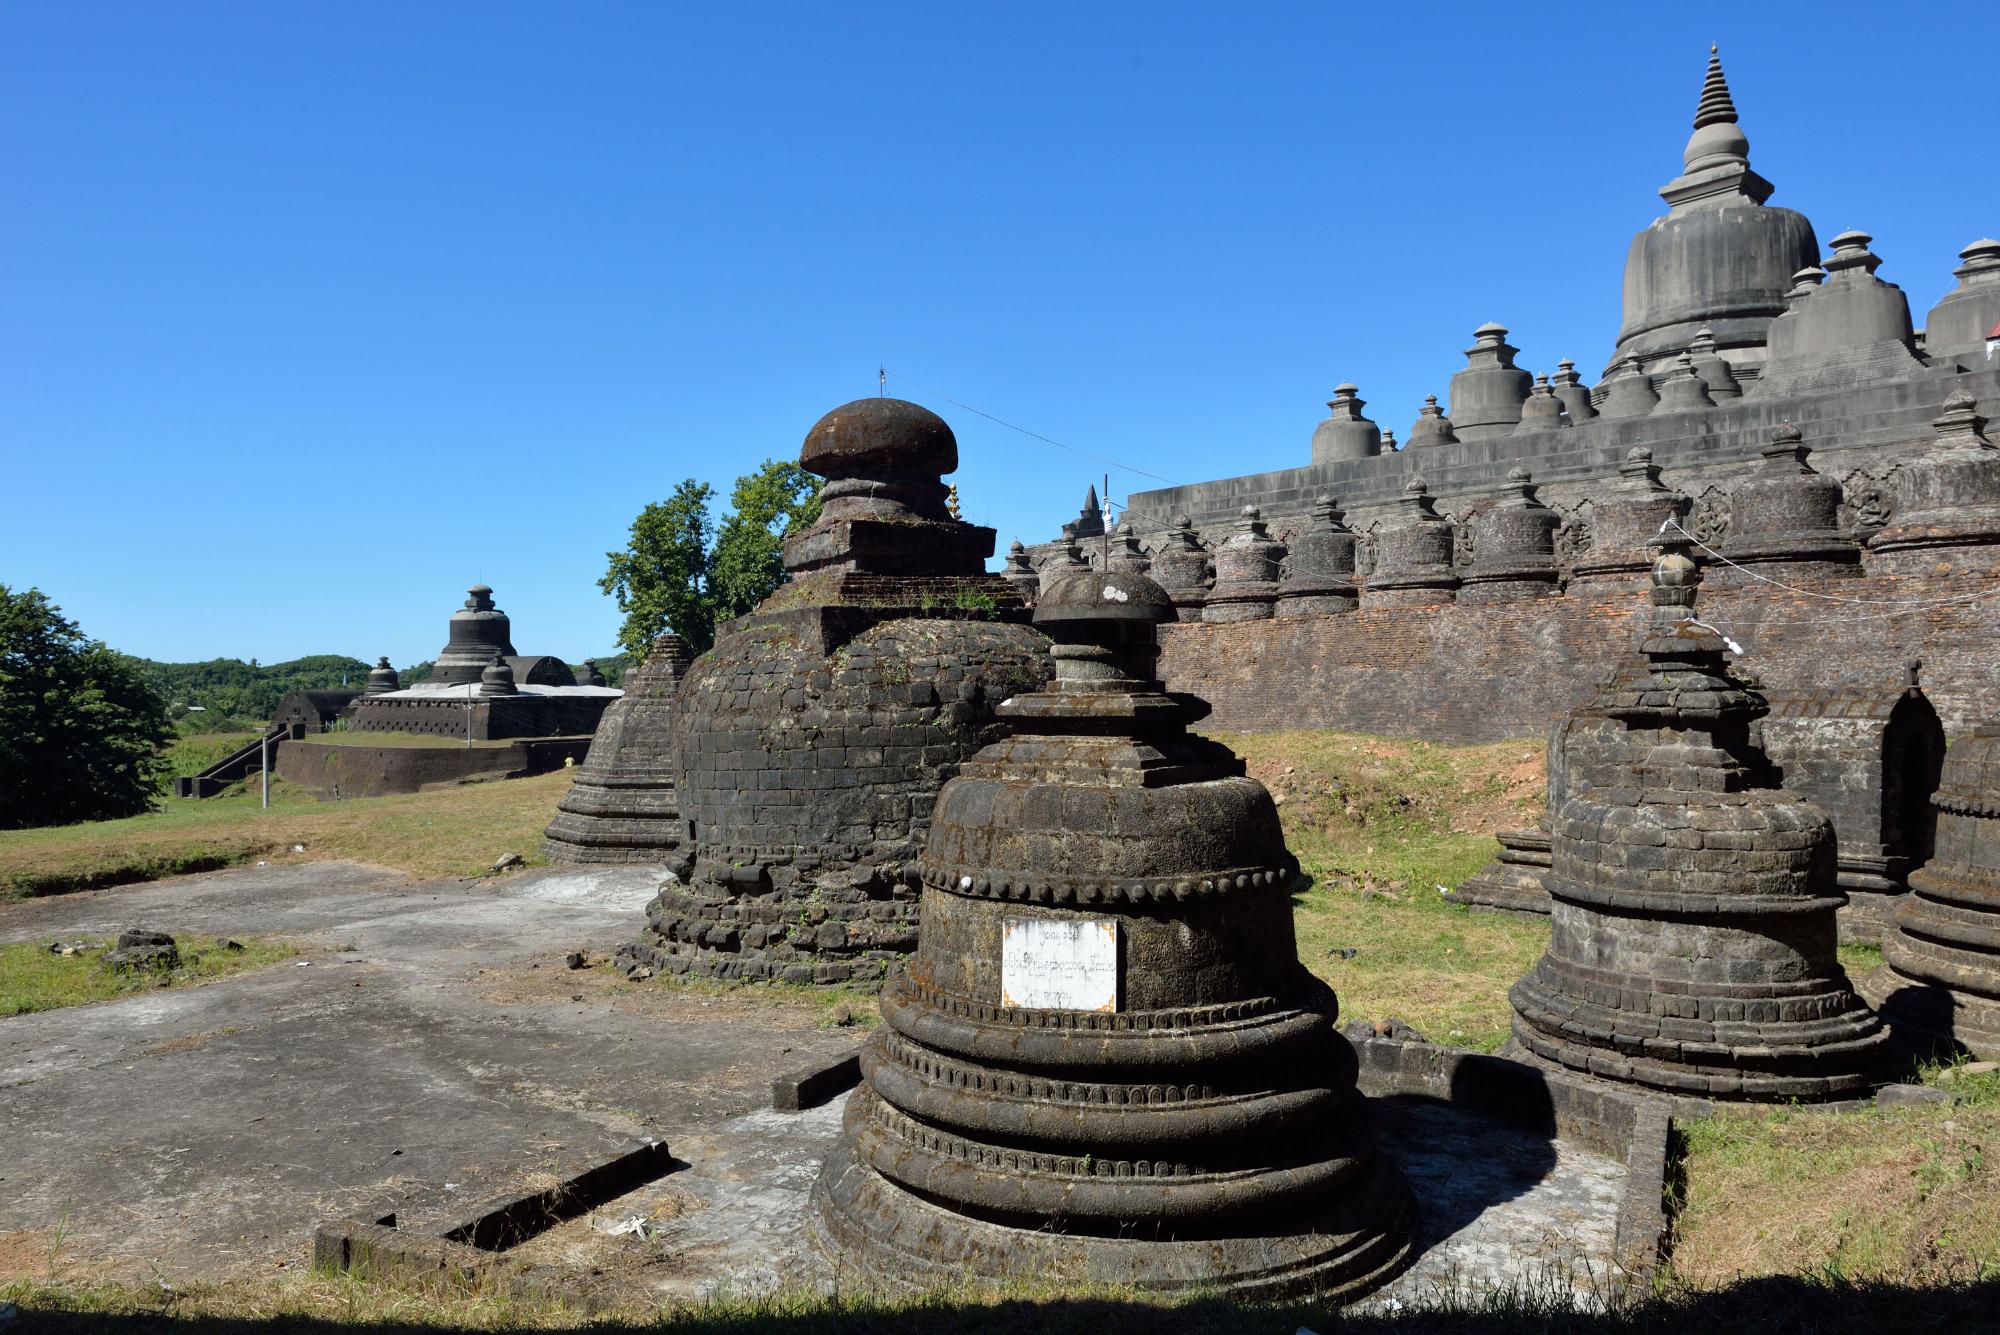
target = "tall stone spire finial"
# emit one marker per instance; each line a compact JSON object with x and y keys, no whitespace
{"x":1715,"y":106}
{"x":1716,"y":161}
{"x":1089,"y":523}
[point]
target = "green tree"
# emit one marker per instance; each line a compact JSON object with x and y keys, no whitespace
{"x":682,"y":572}
{"x":81,"y":730}
{"x":660,"y":579}
{"x":749,"y":557}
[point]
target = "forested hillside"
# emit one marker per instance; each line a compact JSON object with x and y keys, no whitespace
{"x":232,"y":688}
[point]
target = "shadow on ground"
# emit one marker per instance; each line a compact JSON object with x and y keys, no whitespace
{"x":1779,"y":1304}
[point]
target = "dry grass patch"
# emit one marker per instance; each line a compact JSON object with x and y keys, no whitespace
{"x":457,"y":831}
{"x":1905,"y":1195}
{"x":674,"y":997}
{"x":313,"y":1303}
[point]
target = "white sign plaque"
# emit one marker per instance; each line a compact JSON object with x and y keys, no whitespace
{"x":1067,"y":964}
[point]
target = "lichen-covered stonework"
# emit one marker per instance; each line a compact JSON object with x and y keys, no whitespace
{"x":1200,"y":1127}
{"x":1692,"y":946}
{"x":812,"y":739}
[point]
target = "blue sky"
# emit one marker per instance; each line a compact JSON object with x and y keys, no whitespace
{"x":315,"y":314}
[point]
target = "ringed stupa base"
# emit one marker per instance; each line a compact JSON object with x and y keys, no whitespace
{"x":895,"y":1241}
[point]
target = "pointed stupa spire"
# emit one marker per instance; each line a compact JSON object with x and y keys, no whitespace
{"x":1715,"y":105}
{"x":1716,"y":161}
{"x":1090,"y":522}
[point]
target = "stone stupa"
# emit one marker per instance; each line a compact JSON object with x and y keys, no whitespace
{"x":1692,"y":948}
{"x":622,"y":806}
{"x":1940,"y":976}
{"x":1105,"y":1064}
{"x":812,"y":739}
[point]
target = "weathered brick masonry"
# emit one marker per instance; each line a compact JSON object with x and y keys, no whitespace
{"x":1460,"y":674}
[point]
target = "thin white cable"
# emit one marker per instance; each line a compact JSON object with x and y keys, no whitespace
{"x":1671,"y":523}
{"x":1024,"y":431}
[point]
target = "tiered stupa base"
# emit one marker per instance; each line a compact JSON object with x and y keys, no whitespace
{"x":615,"y":823}
{"x":896,"y":1241}
{"x":1514,"y":882}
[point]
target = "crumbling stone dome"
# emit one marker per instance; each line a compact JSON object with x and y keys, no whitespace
{"x":1785,"y":517}
{"x":1626,"y":520}
{"x":1692,"y":944}
{"x":1950,"y":514}
{"x":1514,"y":546}
{"x":1246,"y":572}
{"x":1321,"y":575}
{"x":1184,"y":569}
{"x":813,"y":737}
{"x":1163,"y":1102}
{"x":1413,"y":555}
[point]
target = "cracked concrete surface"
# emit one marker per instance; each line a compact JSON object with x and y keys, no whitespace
{"x":433,"y":1052}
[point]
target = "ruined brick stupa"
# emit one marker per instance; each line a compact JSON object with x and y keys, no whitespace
{"x":622,"y":806}
{"x":1692,"y":945}
{"x":1105,"y":1064}
{"x":813,"y":738}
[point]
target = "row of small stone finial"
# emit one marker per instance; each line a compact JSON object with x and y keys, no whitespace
{"x":1493,"y":397}
{"x":1783,"y":513}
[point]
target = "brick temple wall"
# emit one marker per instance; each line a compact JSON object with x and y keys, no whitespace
{"x":1465,"y":674}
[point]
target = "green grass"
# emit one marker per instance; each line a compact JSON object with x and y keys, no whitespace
{"x":1379,"y":826}
{"x":1860,"y":958}
{"x":193,"y":752}
{"x":33,"y":978}
{"x":457,"y":831}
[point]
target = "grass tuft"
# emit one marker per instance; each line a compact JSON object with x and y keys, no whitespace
{"x":34,"y":978}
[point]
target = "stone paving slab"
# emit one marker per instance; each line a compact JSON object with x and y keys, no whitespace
{"x":447,"y":1057}
{"x":1498,"y":1206}
{"x":433,"y":1050}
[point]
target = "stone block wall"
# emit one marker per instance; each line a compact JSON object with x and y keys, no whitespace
{"x":492,"y":719}
{"x":341,"y":771}
{"x":1463,"y":674}
{"x":807,"y":778}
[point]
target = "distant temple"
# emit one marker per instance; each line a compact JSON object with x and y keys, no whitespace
{"x":481,"y":689}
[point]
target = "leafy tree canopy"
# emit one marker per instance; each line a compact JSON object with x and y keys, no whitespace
{"x":683,"y":572}
{"x":81,"y":729}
